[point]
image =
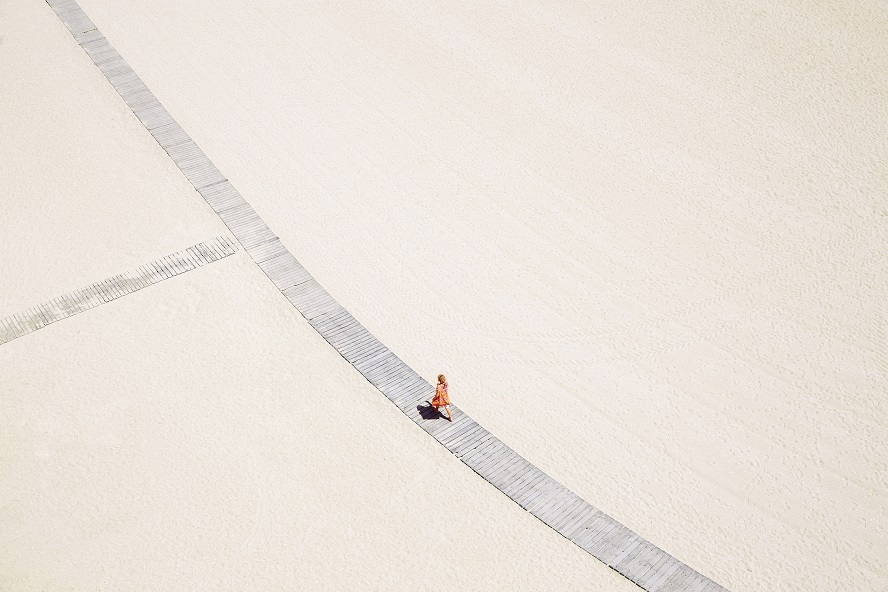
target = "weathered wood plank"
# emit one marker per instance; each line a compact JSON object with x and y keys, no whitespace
{"x":104,"y":291}
{"x":516,"y":468}
{"x":516,"y":488}
{"x":460,"y":426}
{"x":657,"y":562}
{"x":568,"y":513}
{"x":542,"y":490}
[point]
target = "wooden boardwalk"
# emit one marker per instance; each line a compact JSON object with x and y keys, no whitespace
{"x":72,"y":303}
{"x":617,"y":546}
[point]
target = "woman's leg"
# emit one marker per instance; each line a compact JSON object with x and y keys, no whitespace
{"x":449,"y":417}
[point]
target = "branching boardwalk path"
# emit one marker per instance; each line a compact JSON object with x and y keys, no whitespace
{"x":629,"y":554}
{"x":109,"y":289}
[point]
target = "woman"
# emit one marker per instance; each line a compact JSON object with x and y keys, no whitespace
{"x":442,"y":398}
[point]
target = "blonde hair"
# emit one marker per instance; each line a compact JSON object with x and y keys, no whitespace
{"x":442,"y":379}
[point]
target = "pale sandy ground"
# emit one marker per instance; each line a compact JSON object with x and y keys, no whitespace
{"x":198,"y":434}
{"x":647,"y":240}
{"x":86,"y":193}
{"x":203,"y":437}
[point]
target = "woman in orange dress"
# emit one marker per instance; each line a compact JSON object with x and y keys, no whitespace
{"x":442,"y":398}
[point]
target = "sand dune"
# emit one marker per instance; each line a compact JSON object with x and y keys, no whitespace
{"x":648,"y":244}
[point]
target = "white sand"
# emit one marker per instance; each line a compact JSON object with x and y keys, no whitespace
{"x":648,"y":244}
{"x":87,"y":193}
{"x":204,"y":437}
{"x":198,"y":434}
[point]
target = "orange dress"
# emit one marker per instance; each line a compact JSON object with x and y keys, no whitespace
{"x":441,"y":397}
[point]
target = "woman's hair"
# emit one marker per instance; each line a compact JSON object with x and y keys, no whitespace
{"x":442,"y":379}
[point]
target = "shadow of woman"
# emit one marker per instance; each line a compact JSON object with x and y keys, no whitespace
{"x":426,"y":411}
